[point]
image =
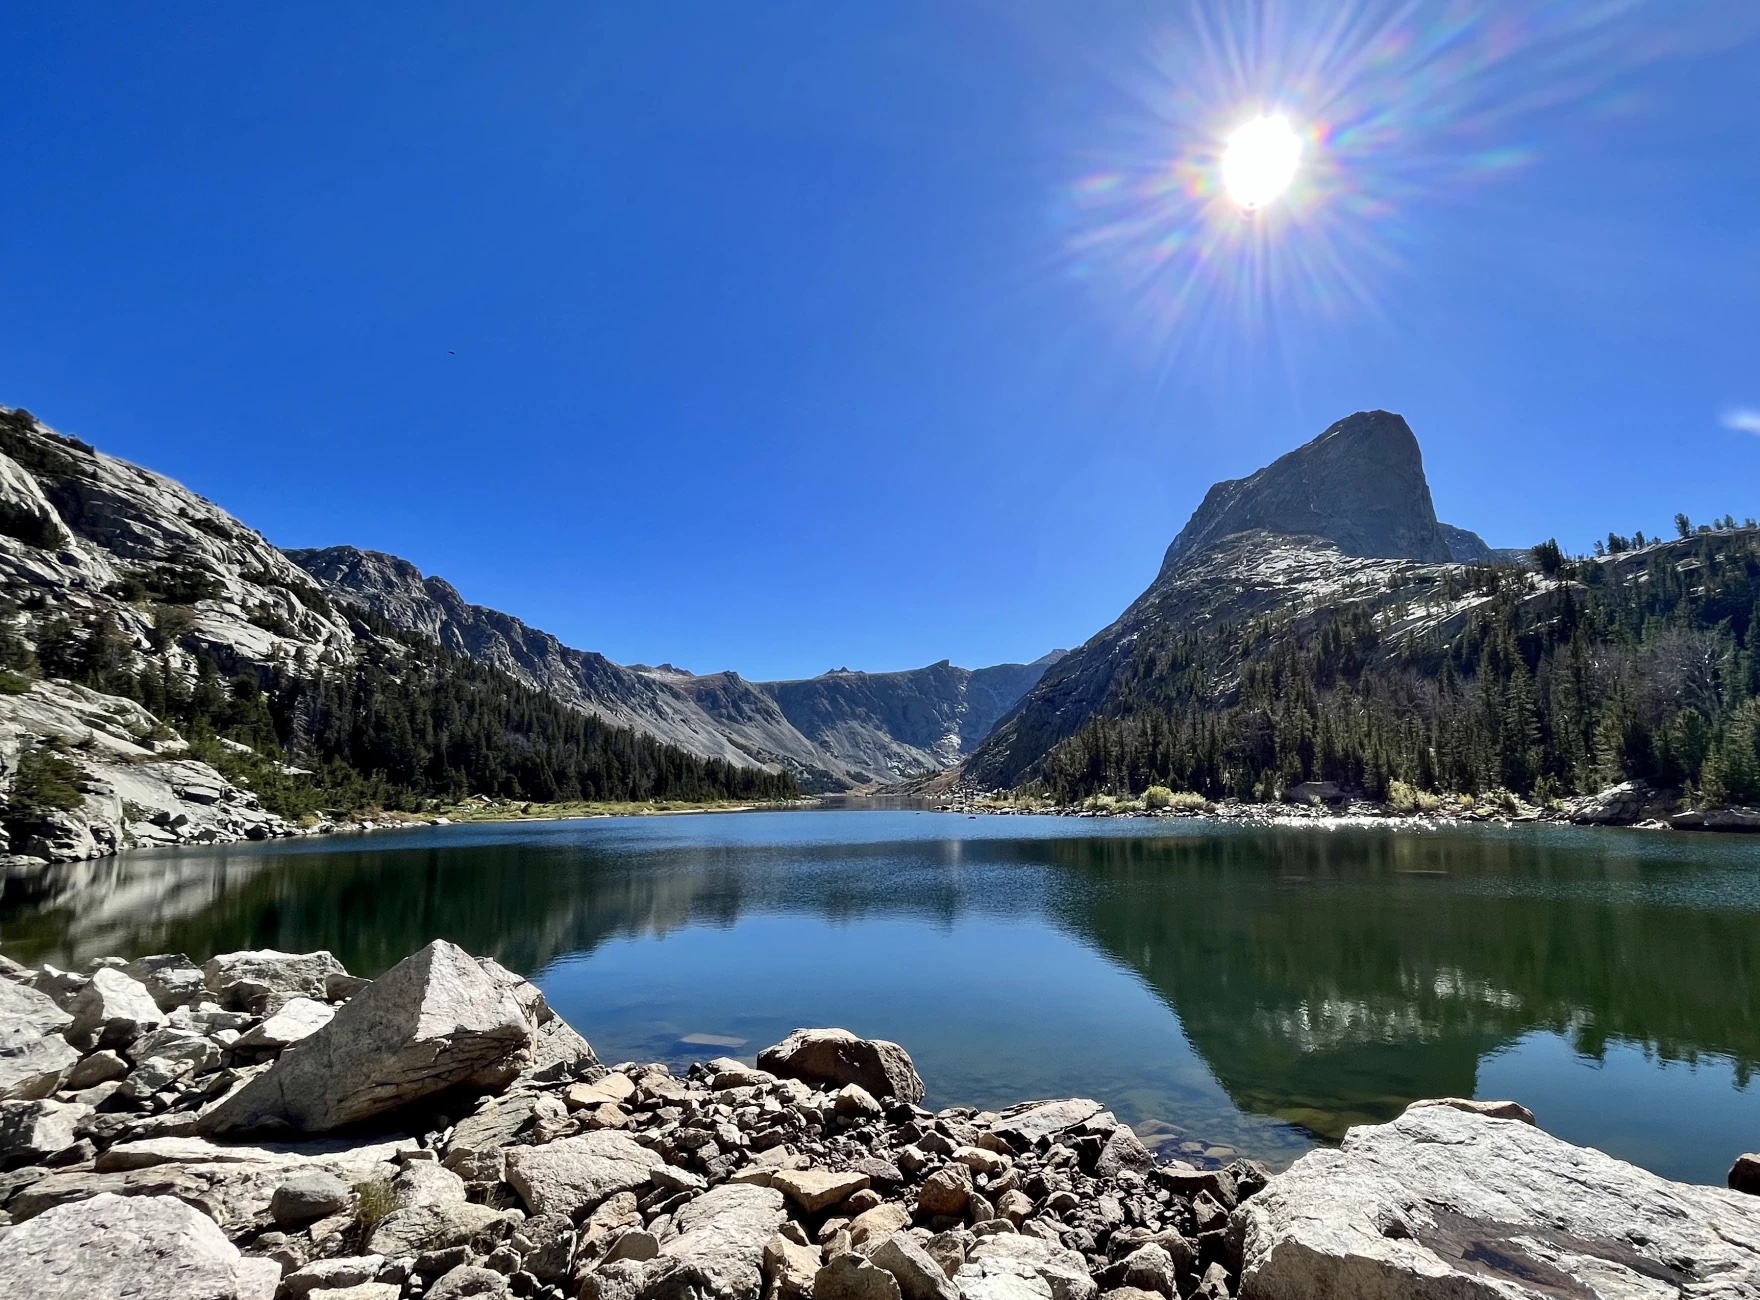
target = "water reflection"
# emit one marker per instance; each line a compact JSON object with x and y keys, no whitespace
{"x":1324,"y":979}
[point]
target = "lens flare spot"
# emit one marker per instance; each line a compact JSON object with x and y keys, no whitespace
{"x":1260,"y":161}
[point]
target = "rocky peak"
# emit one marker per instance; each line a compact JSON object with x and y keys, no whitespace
{"x":1359,"y":485}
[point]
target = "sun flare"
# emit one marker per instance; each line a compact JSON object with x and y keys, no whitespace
{"x":1260,"y":161}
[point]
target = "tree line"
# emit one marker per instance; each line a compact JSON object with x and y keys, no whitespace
{"x":1604,"y":670}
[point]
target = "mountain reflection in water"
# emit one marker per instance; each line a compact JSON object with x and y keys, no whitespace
{"x":1315,"y":979}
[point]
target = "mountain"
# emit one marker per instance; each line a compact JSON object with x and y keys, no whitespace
{"x":1316,"y":622}
{"x":840,"y":731}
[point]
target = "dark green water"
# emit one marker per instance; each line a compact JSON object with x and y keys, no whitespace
{"x":1260,"y":989}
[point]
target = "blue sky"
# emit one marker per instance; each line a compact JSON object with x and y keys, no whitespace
{"x":787,"y":336}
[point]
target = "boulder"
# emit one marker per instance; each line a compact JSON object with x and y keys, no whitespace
{"x":432,"y":1022}
{"x":112,"y":1009}
{"x":99,"y":1067}
{"x":918,"y":1274}
{"x":430,"y":1227}
{"x":32,"y":1130}
{"x":1060,"y":1270}
{"x":1022,"y":1126}
{"x":816,"y":1189}
{"x":34,"y":1057}
{"x":871,"y":1227}
{"x":299,"y":1018}
{"x":1123,"y":1151}
{"x":717,"y":1247}
{"x":324,"y":1275}
{"x":1444,"y":1202}
{"x":469,"y":1282}
{"x":1150,"y":1268}
{"x":789,"y":1269}
{"x":172,"y":979}
{"x":851,"y":1277}
{"x":307,"y":1197}
{"x":134,"y":1247}
{"x":945,"y":1191}
{"x":575,"y":1174}
{"x":837,"y":1057}
{"x":1744,"y":1175}
{"x":246,"y":981}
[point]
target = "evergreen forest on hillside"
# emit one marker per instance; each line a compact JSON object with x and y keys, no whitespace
{"x":1620,"y":671}
{"x":406,"y":723}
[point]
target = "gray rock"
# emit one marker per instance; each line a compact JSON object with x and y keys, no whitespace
{"x":718,"y":1247}
{"x":333,"y":1274}
{"x":851,"y":1277}
{"x":816,"y":1189}
{"x":1022,"y":1126}
{"x":113,"y":1009}
{"x":838,"y":1057}
{"x":946,"y":1191}
{"x":1062,"y":1272}
{"x":918,"y":1273}
{"x":871,"y":1227}
{"x":362,"y":1291}
{"x":432,"y":1022}
{"x":1492,"y":1109}
{"x":1446,"y":1203}
{"x":430,"y":1227}
{"x":575,"y":1174}
{"x":423,"y":1182}
{"x":789,"y":1269}
{"x":243,"y":981}
{"x":124,"y":1248}
{"x":1122,"y":1152}
{"x":466,"y":1281}
{"x":308,"y":1197}
{"x":172,"y":979}
{"x":622,"y":1280}
{"x":299,"y":1018}
{"x":548,"y":1246}
{"x":34,"y":1057}
{"x":1150,"y":1268}
{"x":99,"y":1067}
{"x":31,"y":1130}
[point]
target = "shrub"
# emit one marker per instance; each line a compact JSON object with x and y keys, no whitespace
{"x":1408,"y":799}
{"x":47,"y":782}
{"x":12,"y":683}
{"x":1157,"y":797}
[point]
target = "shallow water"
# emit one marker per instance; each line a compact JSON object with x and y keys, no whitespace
{"x":1216,"y":985}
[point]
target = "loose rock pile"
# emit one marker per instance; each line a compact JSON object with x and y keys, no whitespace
{"x":269,"y":1127}
{"x":222,"y":1131}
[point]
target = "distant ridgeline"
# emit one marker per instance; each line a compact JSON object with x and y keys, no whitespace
{"x":121,"y":582}
{"x":1290,"y":638}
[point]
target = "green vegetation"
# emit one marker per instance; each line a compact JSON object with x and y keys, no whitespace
{"x":1642,"y":669}
{"x":406,"y":725}
{"x":47,"y":782}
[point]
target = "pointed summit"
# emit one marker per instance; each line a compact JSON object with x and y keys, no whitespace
{"x":1360,"y":485}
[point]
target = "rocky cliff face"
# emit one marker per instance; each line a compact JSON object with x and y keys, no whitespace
{"x":1334,"y":520}
{"x":1360,"y":485}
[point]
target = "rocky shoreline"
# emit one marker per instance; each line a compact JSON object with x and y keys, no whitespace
{"x":268,"y":1126}
{"x":1631,"y":805}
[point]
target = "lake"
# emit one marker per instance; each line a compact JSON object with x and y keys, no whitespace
{"x":1220,"y":987}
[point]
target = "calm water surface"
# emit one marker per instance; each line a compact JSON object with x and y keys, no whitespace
{"x":1249,"y":988}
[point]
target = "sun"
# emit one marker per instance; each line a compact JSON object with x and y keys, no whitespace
{"x":1260,"y":160}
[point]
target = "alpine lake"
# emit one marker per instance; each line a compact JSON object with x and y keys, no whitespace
{"x":1220,"y":987}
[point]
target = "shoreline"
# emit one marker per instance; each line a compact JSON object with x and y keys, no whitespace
{"x":269,"y":1125}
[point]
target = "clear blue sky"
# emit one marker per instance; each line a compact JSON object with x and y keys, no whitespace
{"x":787,"y":336}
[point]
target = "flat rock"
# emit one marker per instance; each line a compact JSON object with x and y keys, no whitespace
{"x":430,"y":1227}
{"x":468,"y":1280}
{"x":432,"y":1022}
{"x":838,"y":1057}
{"x":299,"y":1018}
{"x":816,"y":1189}
{"x":34,"y":1057}
{"x":334,"y":1274}
{"x":575,"y":1174}
{"x":124,"y":1248}
{"x":32,"y":1130}
{"x":1022,"y":1126}
{"x":1444,"y":1203}
{"x":1473,"y":1106}
{"x":717,"y":1249}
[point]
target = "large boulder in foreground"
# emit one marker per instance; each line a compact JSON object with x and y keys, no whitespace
{"x":1445,"y":1204}
{"x":435,"y":1021}
{"x":716,"y":1251}
{"x":836,"y":1056}
{"x":134,"y":1247}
